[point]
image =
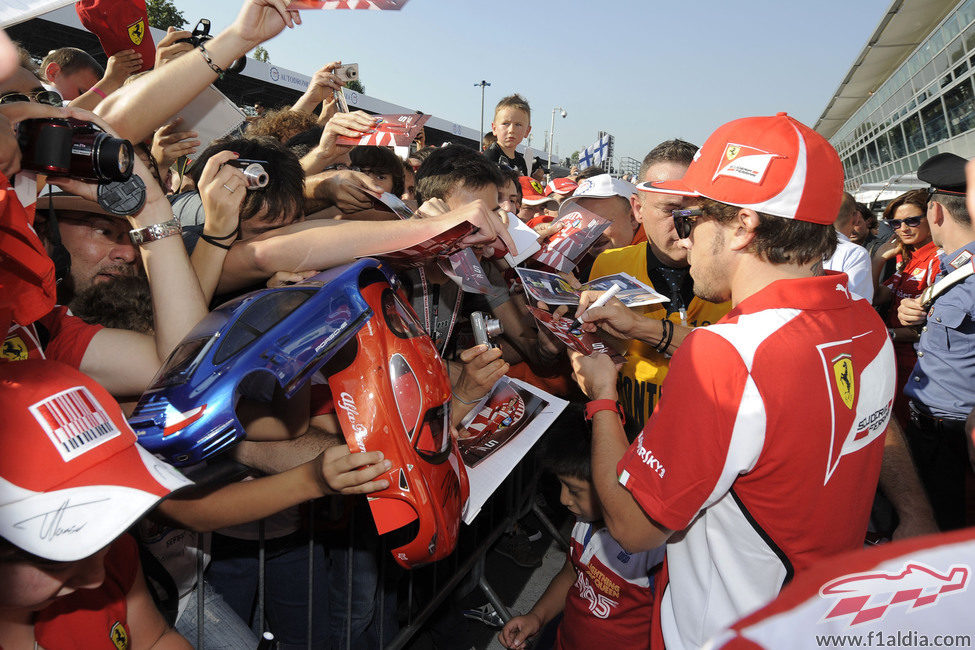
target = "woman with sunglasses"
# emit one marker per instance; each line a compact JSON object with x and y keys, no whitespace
{"x":917,"y":266}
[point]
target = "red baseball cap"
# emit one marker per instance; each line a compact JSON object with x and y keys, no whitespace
{"x":119,"y":25}
{"x":531,"y":192}
{"x":72,"y":477}
{"x":560,"y":186}
{"x":775,"y":165}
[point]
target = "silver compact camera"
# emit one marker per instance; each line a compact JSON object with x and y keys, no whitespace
{"x":485,"y":328}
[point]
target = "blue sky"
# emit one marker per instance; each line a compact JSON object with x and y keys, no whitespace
{"x":642,"y":70}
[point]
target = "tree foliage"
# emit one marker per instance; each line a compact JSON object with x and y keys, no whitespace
{"x":163,"y":14}
{"x":356,"y":85}
{"x":260,"y":54}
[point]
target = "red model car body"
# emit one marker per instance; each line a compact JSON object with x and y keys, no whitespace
{"x":392,"y":394}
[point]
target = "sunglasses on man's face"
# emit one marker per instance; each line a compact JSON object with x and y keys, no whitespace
{"x":910,"y":222}
{"x":49,"y":97}
{"x":684,"y":221}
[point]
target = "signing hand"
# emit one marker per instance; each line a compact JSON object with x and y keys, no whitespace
{"x":595,"y":374}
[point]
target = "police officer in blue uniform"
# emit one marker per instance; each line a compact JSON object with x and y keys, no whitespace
{"x":942,"y":385}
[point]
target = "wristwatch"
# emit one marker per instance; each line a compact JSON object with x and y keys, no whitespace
{"x":597,"y":405}
{"x":156,"y":231}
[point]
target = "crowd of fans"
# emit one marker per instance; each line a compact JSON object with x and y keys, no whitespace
{"x":808,"y":352}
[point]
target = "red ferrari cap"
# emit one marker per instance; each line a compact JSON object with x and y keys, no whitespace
{"x":775,"y":165}
{"x":119,"y":25}
{"x":560,"y":186}
{"x":531,"y":192}
{"x":72,"y":477}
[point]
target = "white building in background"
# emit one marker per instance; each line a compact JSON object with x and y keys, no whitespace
{"x":908,"y":95}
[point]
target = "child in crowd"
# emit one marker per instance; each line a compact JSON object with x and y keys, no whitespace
{"x":511,"y":125}
{"x":603,"y":593}
{"x":72,"y":480}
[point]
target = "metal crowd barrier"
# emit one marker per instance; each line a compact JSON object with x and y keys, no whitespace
{"x":463,"y":570}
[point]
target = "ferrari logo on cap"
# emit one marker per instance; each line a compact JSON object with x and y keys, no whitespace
{"x":137,"y":31}
{"x":732,"y":151}
{"x":119,"y":636}
{"x":843,"y":374}
{"x":14,"y":349}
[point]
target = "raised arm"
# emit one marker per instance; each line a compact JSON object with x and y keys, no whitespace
{"x":147,"y":102}
{"x":323,"y":244}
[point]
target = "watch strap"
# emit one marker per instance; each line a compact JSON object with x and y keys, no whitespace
{"x":156,"y":231}
{"x":597,"y":405}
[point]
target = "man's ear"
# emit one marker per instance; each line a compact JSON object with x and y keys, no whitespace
{"x":635,"y":206}
{"x":528,"y":131}
{"x":936,"y":213}
{"x":493,"y":129}
{"x":744,"y":226}
{"x":51,"y":71}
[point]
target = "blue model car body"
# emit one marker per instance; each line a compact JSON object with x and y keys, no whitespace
{"x":281,"y":335}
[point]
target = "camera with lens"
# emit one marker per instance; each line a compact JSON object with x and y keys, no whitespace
{"x":485,"y":328}
{"x":201,"y":34}
{"x":253,"y":170}
{"x":73,"y":148}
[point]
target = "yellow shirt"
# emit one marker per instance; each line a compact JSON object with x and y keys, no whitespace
{"x":642,"y":376}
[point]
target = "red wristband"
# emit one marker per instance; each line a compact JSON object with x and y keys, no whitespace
{"x":597,"y":405}
{"x":97,"y":91}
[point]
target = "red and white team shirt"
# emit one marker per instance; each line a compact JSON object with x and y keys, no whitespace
{"x":909,"y":594}
{"x":67,"y":338}
{"x":919,"y":272}
{"x":764,"y":449}
{"x":611,"y":599}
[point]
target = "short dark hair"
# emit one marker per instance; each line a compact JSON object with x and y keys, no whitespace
{"x":780,"y":240}
{"x":488,"y":139}
{"x":71,"y":60}
{"x":284,"y":193}
{"x":514,"y":101}
{"x":302,"y":143}
{"x":589,"y":172}
{"x":380,"y":159}
{"x":848,"y":208}
{"x":867,"y":214}
{"x":568,"y":445}
{"x":675,"y":151}
{"x":955,"y":205}
{"x":449,"y":167}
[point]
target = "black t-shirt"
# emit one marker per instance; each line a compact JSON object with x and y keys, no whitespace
{"x":496,"y":155}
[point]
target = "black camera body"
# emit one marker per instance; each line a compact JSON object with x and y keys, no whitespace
{"x":74,"y":148}
{"x":201,"y":34}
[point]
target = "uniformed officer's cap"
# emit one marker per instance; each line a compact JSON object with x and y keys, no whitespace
{"x":945,"y":172}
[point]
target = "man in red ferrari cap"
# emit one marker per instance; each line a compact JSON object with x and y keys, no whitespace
{"x":764,"y":451}
{"x":72,"y":480}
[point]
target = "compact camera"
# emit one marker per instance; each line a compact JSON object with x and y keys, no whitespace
{"x":485,"y":328}
{"x":347,"y":73}
{"x":74,"y":148}
{"x":201,"y":34}
{"x":253,"y":170}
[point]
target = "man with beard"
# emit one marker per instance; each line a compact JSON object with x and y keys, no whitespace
{"x":97,"y":244}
